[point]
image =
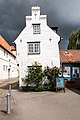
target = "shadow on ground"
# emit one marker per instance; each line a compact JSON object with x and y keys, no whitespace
{"x":76,"y":90}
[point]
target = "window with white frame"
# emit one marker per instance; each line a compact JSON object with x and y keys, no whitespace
{"x":3,"y":67}
{"x":36,"y":28}
{"x":34,"y":48}
{"x":67,"y":73}
{"x":5,"y":53}
{"x":6,"y":68}
{"x":75,"y":72}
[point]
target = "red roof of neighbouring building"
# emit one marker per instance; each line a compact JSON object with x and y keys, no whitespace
{"x":6,"y":46}
{"x":70,"y":56}
{"x":13,"y":48}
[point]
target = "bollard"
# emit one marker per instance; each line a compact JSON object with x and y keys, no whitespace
{"x":8,"y":103}
{"x":10,"y":89}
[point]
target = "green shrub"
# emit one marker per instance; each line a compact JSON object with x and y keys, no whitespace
{"x":39,"y":88}
{"x":44,"y":87}
{"x":35,"y":75}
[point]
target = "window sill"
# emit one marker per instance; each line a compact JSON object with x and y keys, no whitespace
{"x":33,"y":53}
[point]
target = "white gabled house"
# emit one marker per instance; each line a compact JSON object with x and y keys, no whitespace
{"x":8,"y":64}
{"x":37,"y":42}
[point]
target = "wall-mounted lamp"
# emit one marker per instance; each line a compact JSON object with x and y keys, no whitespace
{"x":50,"y":39}
{"x":20,"y":41}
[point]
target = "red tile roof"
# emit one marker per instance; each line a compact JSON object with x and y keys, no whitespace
{"x":13,"y":48}
{"x":70,"y":56}
{"x":5,"y":45}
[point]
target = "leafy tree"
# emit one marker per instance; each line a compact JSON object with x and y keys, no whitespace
{"x":74,"y":40}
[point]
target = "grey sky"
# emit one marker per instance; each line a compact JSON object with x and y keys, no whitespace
{"x":61,"y":13}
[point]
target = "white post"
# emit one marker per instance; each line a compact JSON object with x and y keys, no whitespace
{"x":8,"y":103}
{"x":10,"y":89}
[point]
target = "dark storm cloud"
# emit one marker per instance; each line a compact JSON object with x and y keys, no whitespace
{"x":12,"y":17}
{"x":62,"y":13}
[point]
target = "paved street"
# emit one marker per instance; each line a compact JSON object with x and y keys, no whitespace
{"x":6,"y":82}
{"x":43,"y":106}
{"x":4,"y":85}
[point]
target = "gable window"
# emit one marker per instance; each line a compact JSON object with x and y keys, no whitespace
{"x":36,"y":28}
{"x":34,"y":48}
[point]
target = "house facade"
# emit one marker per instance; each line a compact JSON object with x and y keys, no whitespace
{"x":37,"y":43}
{"x":70,"y":61}
{"x":8,"y":64}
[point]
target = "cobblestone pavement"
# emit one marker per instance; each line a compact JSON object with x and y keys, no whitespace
{"x":43,"y":106}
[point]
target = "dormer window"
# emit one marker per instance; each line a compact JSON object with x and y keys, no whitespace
{"x":36,"y":28}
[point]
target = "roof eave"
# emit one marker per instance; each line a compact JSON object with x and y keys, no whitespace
{"x":8,"y":51}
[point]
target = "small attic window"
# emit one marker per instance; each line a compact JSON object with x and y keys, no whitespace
{"x":66,"y":52}
{"x":36,"y":29}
